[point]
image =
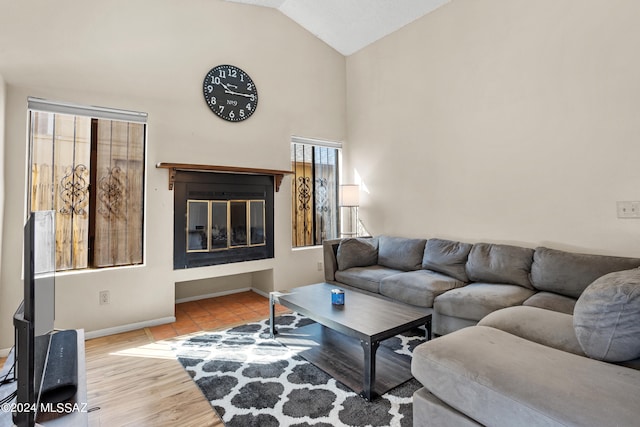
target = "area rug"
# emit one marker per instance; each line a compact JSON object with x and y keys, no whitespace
{"x":253,"y":380}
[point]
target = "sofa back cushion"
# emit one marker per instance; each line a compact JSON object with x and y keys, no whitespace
{"x":568,"y":273}
{"x":357,"y":252}
{"x":447,"y":257}
{"x":494,"y":263}
{"x":401,"y":253}
{"x":606,"y":317}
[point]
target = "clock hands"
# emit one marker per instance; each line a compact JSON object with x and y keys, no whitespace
{"x":252,"y":97}
{"x":226,"y":90}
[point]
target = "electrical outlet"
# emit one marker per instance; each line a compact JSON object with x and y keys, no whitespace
{"x":628,"y":209}
{"x":104,"y":297}
{"x":320,"y":266}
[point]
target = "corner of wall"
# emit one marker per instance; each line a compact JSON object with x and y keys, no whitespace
{"x":3,"y":97}
{"x":2,"y":138}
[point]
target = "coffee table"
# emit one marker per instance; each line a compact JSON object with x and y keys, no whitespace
{"x":363,"y":320}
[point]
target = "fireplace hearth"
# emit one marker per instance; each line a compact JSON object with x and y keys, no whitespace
{"x":222,"y":218}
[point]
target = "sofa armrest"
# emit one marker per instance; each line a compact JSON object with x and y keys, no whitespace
{"x":330,"y":253}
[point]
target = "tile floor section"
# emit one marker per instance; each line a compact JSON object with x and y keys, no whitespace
{"x":215,"y":313}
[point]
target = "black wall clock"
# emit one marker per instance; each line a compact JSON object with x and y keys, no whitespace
{"x":230,"y":93}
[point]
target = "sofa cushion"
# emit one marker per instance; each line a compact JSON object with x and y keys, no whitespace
{"x":494,"y":263}
{"x":367,"y":278}
{"x":447,"y":257}
{"x":545,"y":327}
{"x":400,"y":253}
{"x":476,"y":300}
{"x":357,"y":252}
{"x":568,"y":273}
{"x":418,"y":287}
{"x":607,"y":317}
{"x":428,"y":411}
{"x":551,"y":301}
{"x":502,"y":380}
{"x":441,"y":324}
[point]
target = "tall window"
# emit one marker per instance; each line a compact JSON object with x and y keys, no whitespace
{"x":314,"y":189}
{"x":87,"y":166}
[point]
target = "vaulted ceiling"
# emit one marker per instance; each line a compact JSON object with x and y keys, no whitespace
{"x":350,"y":25}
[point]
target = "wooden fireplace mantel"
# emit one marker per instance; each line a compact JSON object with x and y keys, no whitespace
{"x":278,"y":175}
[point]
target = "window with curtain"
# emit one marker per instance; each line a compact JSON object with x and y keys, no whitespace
{"x":87,"y":166}
{"x":314,"y":190}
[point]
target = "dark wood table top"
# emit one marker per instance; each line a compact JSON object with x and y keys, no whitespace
{"x":363,"y":315}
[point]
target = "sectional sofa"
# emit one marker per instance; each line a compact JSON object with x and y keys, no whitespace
{"x":527,"y":336}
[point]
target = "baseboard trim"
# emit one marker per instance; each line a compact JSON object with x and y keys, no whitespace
{"x":155,"y":322}
{"x":220,"y":294}
{"x":4,"y":352}
{"x":129,"y":327}
{"x":260,"y":292}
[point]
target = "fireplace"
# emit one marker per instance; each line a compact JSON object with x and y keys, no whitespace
{"x":221,"y":218}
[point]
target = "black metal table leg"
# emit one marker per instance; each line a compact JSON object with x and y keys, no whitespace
{"x":272,"y":316}
{"x":369,"y":380}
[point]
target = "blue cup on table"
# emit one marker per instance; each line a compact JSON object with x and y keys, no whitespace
{"x":337,"y":297}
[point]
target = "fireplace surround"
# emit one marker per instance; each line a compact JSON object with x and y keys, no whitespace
{"x":222,"y":218}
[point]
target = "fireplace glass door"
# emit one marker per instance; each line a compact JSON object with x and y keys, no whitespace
{"x":238,"y":216}
{"x":214,"y":225}
{"x":198,"y":212}
{"x":256,"y":215}
{"x":219,"y":217}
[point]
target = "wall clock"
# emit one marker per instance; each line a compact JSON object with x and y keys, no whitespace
{"x":230,"y":93}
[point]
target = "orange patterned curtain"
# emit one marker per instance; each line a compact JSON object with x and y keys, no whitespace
{"x":119,"y":193}
{"x":90,"y":172}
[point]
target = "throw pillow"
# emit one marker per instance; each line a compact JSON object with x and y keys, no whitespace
{"x":500,"y":264}
{"x":447,"y":257}
{"x":607,"y":317}
{"x":569,"y":273}
{"x":356,"y":252}
{"x":401,"y":253}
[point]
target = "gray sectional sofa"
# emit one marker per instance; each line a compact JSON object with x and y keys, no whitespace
{"x":464,"y":282}
{"x":528,"y":336}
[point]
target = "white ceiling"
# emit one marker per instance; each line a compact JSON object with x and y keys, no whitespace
{"x":350,"y":25}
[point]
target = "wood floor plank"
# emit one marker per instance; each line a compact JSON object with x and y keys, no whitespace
{"x":135,"y":381}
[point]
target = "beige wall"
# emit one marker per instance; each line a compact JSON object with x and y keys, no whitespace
{"x":502,"y":120}
{"x":152,"y":56}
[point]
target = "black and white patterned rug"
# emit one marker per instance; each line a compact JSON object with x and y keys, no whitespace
{"x":253,"y":380}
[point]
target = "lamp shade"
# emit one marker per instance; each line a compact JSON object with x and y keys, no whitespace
{"x":349,"y":195}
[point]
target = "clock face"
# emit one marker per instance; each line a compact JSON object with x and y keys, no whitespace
{"x":230,"y":93}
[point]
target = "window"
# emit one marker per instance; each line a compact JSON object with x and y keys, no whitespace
{"x":87,"y":165}
{"x":314,"y":190}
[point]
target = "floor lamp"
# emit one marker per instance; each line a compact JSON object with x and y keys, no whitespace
{"x":349,"y":197}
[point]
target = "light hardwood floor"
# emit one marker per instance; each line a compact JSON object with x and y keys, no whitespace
{"x":133,"y":379}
